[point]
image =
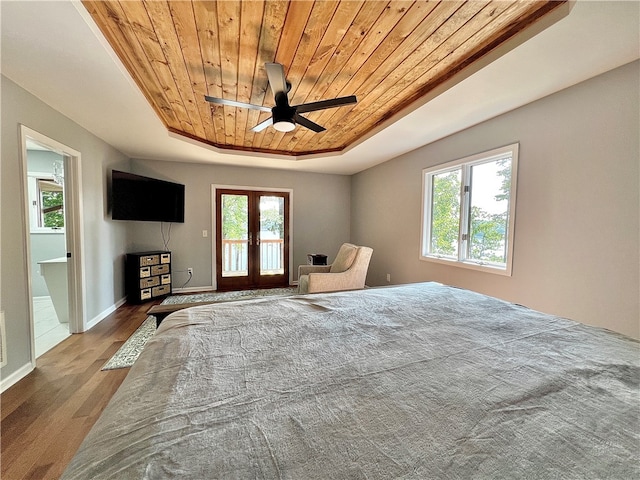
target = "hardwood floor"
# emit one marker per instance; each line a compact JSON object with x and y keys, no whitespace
{"x":46,"y":415}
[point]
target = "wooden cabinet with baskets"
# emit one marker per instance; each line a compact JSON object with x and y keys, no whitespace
{"x":147,"y":275}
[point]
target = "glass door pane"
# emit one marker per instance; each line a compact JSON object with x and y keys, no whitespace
{"x":235,"y":235}
{"x":271,"y":235}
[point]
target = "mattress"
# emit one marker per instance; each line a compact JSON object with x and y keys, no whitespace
{"x":418,"y":381}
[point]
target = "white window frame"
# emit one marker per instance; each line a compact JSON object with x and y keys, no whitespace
{"x":465,"y":164}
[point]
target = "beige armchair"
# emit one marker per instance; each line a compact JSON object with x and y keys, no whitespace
{"x":347,"y":272}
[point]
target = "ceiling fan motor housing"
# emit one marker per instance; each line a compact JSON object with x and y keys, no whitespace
{"x":283,"y":113}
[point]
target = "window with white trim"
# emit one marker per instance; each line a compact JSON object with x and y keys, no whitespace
{"x":469,"y":209}
{"x":46,"y":199}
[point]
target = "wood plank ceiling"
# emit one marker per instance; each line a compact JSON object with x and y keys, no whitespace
{"x":388,"y":54}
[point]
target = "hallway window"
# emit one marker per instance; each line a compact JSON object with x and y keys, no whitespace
{"x":51,"y":204}
{"x":46,"y":200}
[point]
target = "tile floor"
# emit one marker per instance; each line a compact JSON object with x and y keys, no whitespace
{"x":49,"y":332}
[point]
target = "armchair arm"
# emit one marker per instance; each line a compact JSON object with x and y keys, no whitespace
{"x":307,"y":269}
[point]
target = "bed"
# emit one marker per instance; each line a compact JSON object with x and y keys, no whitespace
{"x":419,"y":381}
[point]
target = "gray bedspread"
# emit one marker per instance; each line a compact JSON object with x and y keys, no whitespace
{"x":421,"y":381}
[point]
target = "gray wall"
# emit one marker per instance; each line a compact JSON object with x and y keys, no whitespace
{"x":104,"y":242}
{"x":577,"y":211}
{"x":321,"y":213}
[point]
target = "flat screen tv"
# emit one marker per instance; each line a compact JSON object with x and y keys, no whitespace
{"x":134,"y":197}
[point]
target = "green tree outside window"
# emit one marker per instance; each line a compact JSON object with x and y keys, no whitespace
{"x":52,"y":209}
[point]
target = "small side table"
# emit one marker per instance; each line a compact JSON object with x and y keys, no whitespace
{"x":316,"y":259}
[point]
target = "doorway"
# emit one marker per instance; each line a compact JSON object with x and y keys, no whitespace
{"x":49,"y":298}
{"x":252,"y":239}
{"x":53,"y":240}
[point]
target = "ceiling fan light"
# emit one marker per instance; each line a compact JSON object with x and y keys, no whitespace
{"x":284,"y":126}
{"x":282,"y":115}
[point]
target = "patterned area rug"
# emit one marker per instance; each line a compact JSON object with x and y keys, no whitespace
{"x":130,"y":350}
{"x":227,"y":296}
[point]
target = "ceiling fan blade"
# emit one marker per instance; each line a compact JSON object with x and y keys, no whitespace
{"x":305,"y":122}
{"x":262,"y":125}
{"x":233,"y":103}
{"x":322,"y":104}
{"x":277,"y":79}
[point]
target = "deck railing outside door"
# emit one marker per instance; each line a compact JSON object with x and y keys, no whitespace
{"x":234,"y":257}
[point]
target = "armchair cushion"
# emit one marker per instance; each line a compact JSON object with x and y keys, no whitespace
{"x":344,"y":259}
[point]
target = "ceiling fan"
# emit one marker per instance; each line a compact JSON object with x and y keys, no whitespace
{"x":284,"y":117}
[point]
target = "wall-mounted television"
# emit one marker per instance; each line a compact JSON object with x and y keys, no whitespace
{"x":134,"y":197}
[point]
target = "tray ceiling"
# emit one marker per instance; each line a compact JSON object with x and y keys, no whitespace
{"x":388,"y":54}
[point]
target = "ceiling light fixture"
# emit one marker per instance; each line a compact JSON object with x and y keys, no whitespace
{"x":284,"y":126}
{"x":58,"y":172}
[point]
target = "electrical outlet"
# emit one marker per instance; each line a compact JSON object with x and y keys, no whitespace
{"x":190,"y":271}
{"x":388,"y":277}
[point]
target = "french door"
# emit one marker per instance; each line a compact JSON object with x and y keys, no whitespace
{"x":252,"y":239}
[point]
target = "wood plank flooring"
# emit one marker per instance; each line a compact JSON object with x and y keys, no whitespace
{"x":46,"y":415}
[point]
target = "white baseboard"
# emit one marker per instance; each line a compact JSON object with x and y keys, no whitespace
{"x":104,"y":314}
{"x":16,"y":376}
{"x":193,"y":289}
